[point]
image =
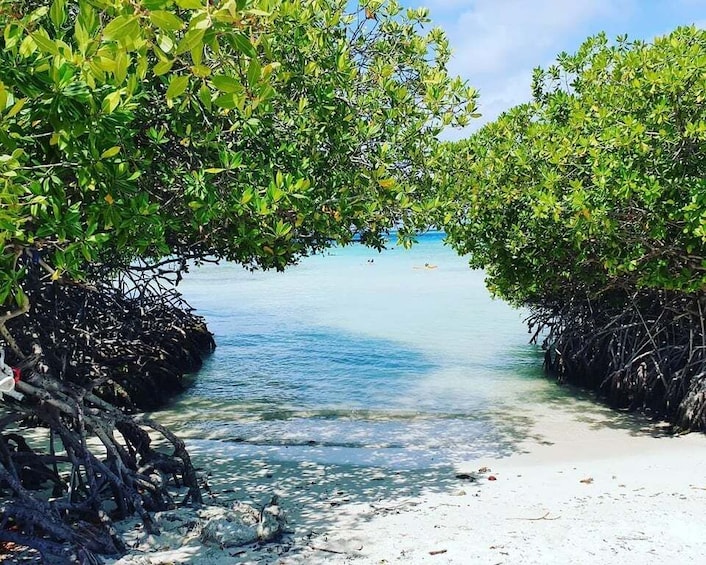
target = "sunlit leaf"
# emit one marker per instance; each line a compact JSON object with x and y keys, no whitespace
{"x":177,"y":86}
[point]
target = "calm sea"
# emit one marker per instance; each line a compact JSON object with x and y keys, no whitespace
{"x":361,"y":357}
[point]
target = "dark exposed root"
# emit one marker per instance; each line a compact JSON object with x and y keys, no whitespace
{"x":95,"y":354}
{"x":105,"y":469}
{"x":133,"y":351}
{"x":645,"y":351}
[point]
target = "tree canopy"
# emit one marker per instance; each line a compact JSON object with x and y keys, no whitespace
{"x":140,"y":133}
{"x":588,"y":205}
{"x":598,"y":183}
{"x":252,"y":130}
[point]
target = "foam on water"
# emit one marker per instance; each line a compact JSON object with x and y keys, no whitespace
{"x":345,"y":360}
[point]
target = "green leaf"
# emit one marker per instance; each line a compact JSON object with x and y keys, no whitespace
{"x":166,"y":21}
{"x":110,"y":102}
{"x":112,"y":152}
{"x":247,"y":196}
{"x":228,"y":101}
{"x":162,"y":67}
{"x":16,"y":107}
{"x":254,"y":71}
{"x":197,"y":55}
{"x":122,"y":28}
{"x":202,"y":20}
{"x":205,"y":96}
{"x":266,"y":93}
{"x":121,"y":64}
{"x":226,"y":83}
{"x":5,"y":292}
{"x":177,"y":86}
{"x":41,"y":38}
{"x":242,"y":44}
{"x":201,"y":71}
{"x":81,"y":36}
{"x":189,"y":4}
{"x":28,"y":46}
{"x":192,"y":39}
{"x":57,"y":13}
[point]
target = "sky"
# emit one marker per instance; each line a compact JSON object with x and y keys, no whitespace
{"x":497,"y":43}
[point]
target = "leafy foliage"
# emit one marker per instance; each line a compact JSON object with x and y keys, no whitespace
{"x":252,"y":130}
{"x":136,"y":133}
{"x":599,"y":184}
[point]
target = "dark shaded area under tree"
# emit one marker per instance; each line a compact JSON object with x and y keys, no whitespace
{"x":649,"y":355}
{"x":90,"y":356}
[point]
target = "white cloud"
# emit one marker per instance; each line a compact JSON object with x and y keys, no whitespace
{"x":507,"y":92}
{"x":497,"y":43}
{"x":496,"y":35}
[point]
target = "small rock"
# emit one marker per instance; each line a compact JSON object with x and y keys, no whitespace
{"x":465,"y":477}
{"x":272,"y":521}
{"x":586,"y":481}
{"x":231,"y":528}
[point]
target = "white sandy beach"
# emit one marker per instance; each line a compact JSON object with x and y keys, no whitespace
{"x":580,"y":490}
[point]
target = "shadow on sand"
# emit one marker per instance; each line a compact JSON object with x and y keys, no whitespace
{"x":327,"y":497}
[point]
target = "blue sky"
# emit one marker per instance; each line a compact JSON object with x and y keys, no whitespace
{"x":497,"y":43}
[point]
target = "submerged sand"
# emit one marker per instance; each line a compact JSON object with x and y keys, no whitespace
{"x":596,"y":487}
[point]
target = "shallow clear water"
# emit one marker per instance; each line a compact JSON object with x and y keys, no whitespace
{"x":343,"y":360}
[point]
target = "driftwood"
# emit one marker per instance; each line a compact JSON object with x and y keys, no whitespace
{"x":89,"y":356}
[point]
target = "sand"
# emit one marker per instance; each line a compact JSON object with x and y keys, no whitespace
{"x":579,"y":489}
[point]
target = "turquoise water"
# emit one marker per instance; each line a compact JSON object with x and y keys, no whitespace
{"x":344,"y":360}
